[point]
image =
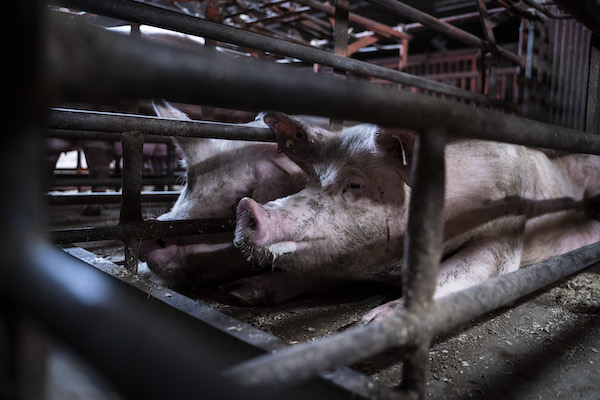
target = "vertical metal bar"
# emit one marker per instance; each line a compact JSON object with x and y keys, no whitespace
{"x":591,"y":118}
{"x":340,"y":34}
{"x":212,"y":14}
{"x":131,"y":202}
{"x":423,"y":244}
{"x":528,"y":81}
{"x":21,"y":215}
{"x":583,"y":78}
{"x":554,"y":74}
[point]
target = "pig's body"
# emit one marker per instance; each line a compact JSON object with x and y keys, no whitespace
{"x":506,"y":206}
{"x":219,"y":174}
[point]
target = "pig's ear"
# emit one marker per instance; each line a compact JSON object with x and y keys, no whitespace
{"x":400,"y":143}
{"x":299,"y":141}
{"x":188,"y":145}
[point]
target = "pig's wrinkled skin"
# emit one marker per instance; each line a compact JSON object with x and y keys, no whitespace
{"x":506,"y":206}
{"x":219,"y":174}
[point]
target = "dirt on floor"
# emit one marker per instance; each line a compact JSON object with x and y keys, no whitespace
{"x":546,"y":346}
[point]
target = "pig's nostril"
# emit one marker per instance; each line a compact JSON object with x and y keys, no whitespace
{"x":161,"y":243}
{"x":252,"y":223}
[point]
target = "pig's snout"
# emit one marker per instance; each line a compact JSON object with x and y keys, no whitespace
{"x":251,"y":221}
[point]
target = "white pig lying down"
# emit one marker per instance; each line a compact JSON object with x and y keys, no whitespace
{"x":219,"y":174}
{"x":506,"y":206}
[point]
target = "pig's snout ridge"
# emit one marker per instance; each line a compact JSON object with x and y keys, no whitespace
{"x":250,"y":221}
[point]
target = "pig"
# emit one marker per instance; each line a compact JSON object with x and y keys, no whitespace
{"x":506,"y":206}
{"x":219,"y":174}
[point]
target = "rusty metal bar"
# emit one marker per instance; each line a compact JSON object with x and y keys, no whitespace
{"x":367,"y":23}
{"x":116,"y":122}
{"x":195,"y":78}
{"x":413,"y":14}
{"x":545,"y":11}
{"x":74,"y":134}
{"x":340,"y":38}
{"x":143,"y":230}
{"x":300,"y":362}
{"x":144,"y":13}
{"x":131,"y":204}
{"x":423,"y":247}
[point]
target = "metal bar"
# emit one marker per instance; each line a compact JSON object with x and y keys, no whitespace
{"x":144,"y":13}
{"x":194,"y":78}
{"x":340,"y":38}
{"x":545,"y":11}
{"x":107,"y":323}
{"x":340,"y":32}
{"x":131,"y":204}
{"x":591,"y":117}
{"x":300,"y":362}
{"x":97,"y":135}
{"x":413,"y":14}
{"x":367,"y":23}
{"x":111,"y":325}
{"x":423,"y":244}
{"x":116,"y":182}
{"x":143,"y":230}
{"x":115,"y":122}
{"x":108,"y":198}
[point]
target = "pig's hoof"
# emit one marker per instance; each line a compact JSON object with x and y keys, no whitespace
{"x":383,"y":311}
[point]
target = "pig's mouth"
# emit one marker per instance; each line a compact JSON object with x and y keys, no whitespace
{"x":276,"y":254}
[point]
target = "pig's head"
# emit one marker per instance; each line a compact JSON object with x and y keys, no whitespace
{"x":219,"y":174}
{"x":350,"y":219}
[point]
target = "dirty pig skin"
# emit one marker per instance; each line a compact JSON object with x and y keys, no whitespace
{"x":506,"y":206}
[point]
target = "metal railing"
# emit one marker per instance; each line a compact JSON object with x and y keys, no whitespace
{"x":110,"y":65}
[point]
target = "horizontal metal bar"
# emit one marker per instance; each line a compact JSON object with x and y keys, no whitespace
{"x":111,"y":325}
{"x":97,"y":135}
{"x":115,"y":122}
{"x":107,"y":198}
{"x":162,"y":18}
{"x":469,"y":39}
{"x":197,"y":78}
{"x":86,"y":181}
{"x":142,"y":230}
{"x":300,"y":362}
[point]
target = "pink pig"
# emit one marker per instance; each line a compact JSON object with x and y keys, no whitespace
{"x":506,"y":206}
{"x":219,"y":174}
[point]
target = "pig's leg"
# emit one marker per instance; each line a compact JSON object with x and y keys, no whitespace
{"x":473,"y":264}
{"x":276,"y":287}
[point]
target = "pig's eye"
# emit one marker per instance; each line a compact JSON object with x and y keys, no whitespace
{"x":353,"y":185}
{"x":298,"y":135}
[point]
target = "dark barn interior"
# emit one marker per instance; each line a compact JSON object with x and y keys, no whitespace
{"x":88,"y":168}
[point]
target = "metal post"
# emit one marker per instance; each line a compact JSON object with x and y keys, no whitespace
{"x":131,"y":204}
{"x":591,"y":119}
{"x":340,"y":35}
{"x":423,"y":244}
